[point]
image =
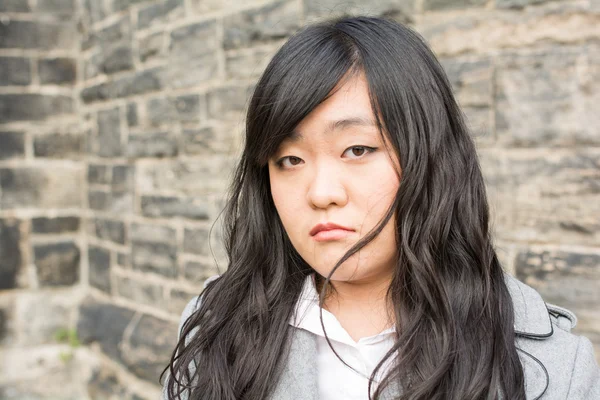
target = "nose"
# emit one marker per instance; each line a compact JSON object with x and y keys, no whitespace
{"x":326,"y":187}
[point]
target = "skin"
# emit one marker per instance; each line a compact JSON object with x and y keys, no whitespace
{"x":331,"y":176}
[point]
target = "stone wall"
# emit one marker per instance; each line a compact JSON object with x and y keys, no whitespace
{"x":121,"y":120}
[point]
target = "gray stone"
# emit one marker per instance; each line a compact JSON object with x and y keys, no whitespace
{"x":228,"y":102}
{"x":41,"y":315}
{"x":116,"y":59}
{"x":109,"y":133}
{"x":159,"y":258}
{"x":110,"y":230}
{"x":33,"y":106}
{"x":118,"y":32}
{"x":140,"y":292}
{"x":147,"y":233}
{"x":135,"y":84}
{"x":165,"y":207}
{"x":57,"y":264}
{"x":153,"y":144}
{"x":104,"y":323}
{"x":99,"y":174}
{"x":159,"y":12}
{"x":57,"y":70}
{"x":197,"y":272}
{"x":434,"y":5}
{"x":63,"y":7}
{"x":12,"y":145}
{"x":132,"y":115}
{"x":123,"y":177}
{"x":274,"y":21}
{"x":150,"y":347}
{"x":99,"y":262}
{"x":152,"y":47}
{"x":56,"y":225}
{"x":94,"y":10}
{"x":105,"y":384}
{"x":114,"y":201}
{"x":59,"y":145}
{"x":17,"y":34}
{"x":99,"y":200}
{"x":10,"y":252}
{"x":518,"y":3}
{"x":15,"y":71}
{"x":123,"y":260}
{"x":40,"y":187}
{"x":248,"y":64}
{"x":120,"y":5}
{"x":400,"y":10}
{"x":185,"y":108}
{"x":14,"y":6}
{"x":195,"y":241}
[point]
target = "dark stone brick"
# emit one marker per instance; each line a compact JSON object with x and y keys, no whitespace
{"x":195,"y":241}
{"x":159,"y":111}
{"x":116,"y":59}
{"x":33,"y":106}
{"x":132,"y":114}
{"x":151,"y":46}
{"x":273,"y":21}
{"x":12,"y":145}
{"x":140,"y":292}
{"x":14,"y":6}
{"x":115,"y":201}
{"x":143,"y":82}
{"x":105,"y":384}
{"x":15,"y":71}
{"x":63,"y":7}
{"x":99,"y":262}
{"x":99,"y":174}
{"x":43,"y":225}
{"x":164,"y":207}
{"x":110,"y":230}
{"x":3,"y":325}
{"x":17,"y":34}
{"x":155,"y":144}
{"x":36,"y":187}
{"x":186,"y":108}
{"x":57,"y":70}
{"x":57,"y":263}
{"x":159,"y":258}
{"x":123,"y":260}
{"x":58,"y":145}
{"x":518,"y":3}
{"x":122,"y":177}
{"x":99,"y":200}
{"x":94,"y":10}
{"x":431,"y":5}
{"x":104,"y":323}
{"x":158,"y":12}
{"x":10,"y":253}
{"x":150,"y":346}
{"x":120,"y":5}
{"x":109,"y":133}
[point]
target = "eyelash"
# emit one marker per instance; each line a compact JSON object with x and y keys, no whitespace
{"x":368,"y":149}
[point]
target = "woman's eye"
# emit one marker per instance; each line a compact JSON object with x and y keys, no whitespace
{"x":293,"y":161}
{"x":360,"y":151}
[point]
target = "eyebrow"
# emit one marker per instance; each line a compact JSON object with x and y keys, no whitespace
{"x":336,"y":125}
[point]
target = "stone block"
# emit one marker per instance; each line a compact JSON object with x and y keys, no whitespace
{"x":62,"y":7}
{"x":150,"y":347}
{"x":248,"y":64}
{"x":115,"y":201}
{"x":401,"y":10}
{"x":39,"y":187}
{"x":57,"y":264}
{"x":59,"y":145}
{"x":42,"y":35}
{"x":135,"y":84}
{"x":197,"y":272}
{"x":159,"y":258}
{"x":54,"y":225}
{"x":141,"y":292}
{"x":14,"y":6}
{"x":119,"y":32}
{"x":57,"y":70}
{"x":518,"y":3}
{"x":168,"y":206}
{"x":120,"y":5}
{"x":15,"y":71}
{"x":41,"y":316}
{"x":187,"y":108}
{"x":436,"y":5}
{"x":132,"y":114}
{"x":99,"y":174}
{"x":33,"y":106}
{"x":146,"y":233}
{"x":123,"y":177}
{"x":228,"y":102}
{"x":152,"y":144}
{"x":10,"y":252}
{"x":162,"y":11}
{"x":212,"y":140}
{"x":273,"y":21}
{"x":104,"y":323}
{"x":94,"y":10}
{"x":99,"y":263}
{"x":111,"y":230}
{"x":195,"y":241}
{"x":109,"y":133}
{"x":152,"y":46}
{"x":106,"y":384}
{"x":116,"y":59}
{"x":12,"y":145}
{"x":123,"y":260}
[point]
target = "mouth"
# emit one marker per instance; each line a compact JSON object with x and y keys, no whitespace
{"x":329,"y":231}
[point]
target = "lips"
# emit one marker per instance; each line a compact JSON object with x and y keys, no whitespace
{"x":327,"y":227}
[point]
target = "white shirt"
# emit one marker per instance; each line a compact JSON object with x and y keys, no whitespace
{"x":335,"y":380}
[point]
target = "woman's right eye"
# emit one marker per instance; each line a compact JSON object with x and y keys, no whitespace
{"x":293,"y":160}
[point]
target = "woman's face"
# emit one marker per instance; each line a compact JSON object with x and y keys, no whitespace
{"x":327,"y":173}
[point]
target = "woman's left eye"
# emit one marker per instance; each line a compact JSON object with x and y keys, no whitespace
{"x":360,"y":151}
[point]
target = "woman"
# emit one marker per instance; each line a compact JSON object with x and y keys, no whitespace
{"x":360,"y":261}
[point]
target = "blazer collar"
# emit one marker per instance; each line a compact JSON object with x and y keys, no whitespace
{"x":532,"y":319}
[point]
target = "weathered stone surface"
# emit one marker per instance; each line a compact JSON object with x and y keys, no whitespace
{"x":123,"y":177}
{"x":185,"y":108}
{"x":44,"y":225}
{"x":153,"y":234}
{"x":179,"y":298}
{"x":139,"y":83}
{"x":434,"y":5}
{"x":56,"y":187}
{"x":105,"y":384}
{"x":132,"y":115}
{"x":42,"y":315}
{"x":104,"y":323}
{"x":518,"y":3}
{"x":116,"y":59}
{"x":549,"y":98}
{"x":228,"y":102}
{"x":16,"y":34}
{"x":164,"y":10}
{"x":152,"y":144}
{"x":14,"y":6}
{"x":15,"y":71}
{"x":109,"y":133}
{"x":120,"y":5}
{"x":274,"y":21}
{"x":109,"y":230}
{"x":150,"y":346}
{"x":99,"y":174}
{"x":118,"y":32}
{"x":197,"y":272}
{"x":12,"y":145}
{"x":400,"y":10}
{"x":248,"y":63}
{"x":159,"y":258}
{"x":10,"y":252}
{"x":59,"y":145}
{"x":57,"y":264}
{"x":115,"y":201}
{"x":33,"y":106}
{"x":63,"y":7}
{"x":94,"y":10}
{"x":140,"y":292}
{"x":99,"y":262}
{"x":57,"y":70}
{"x":152,"y":47}
{"x":165,"y":206}
{"x":123,"y":260}
{"x":195,"y":241}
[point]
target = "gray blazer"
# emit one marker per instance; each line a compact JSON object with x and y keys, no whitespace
{"x":557,"y":364}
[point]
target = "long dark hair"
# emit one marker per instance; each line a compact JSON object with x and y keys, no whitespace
{"x":453,"y":311}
